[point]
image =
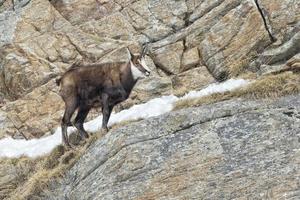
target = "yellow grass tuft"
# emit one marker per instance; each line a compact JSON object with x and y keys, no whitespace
{"x":269,"y":86}
{"x":181,"y":91}
{"x":31,"y":177}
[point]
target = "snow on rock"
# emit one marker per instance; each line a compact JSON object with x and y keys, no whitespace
{"x":226,"y":86}
{"x":33,"y":148}
{"x":152,"y":108}
{"x":37,"y":147}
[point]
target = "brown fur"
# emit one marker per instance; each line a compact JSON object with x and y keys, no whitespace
{"x":83,"y":87}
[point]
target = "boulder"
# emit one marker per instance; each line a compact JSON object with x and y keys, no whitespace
{"x":169,"y":57}
{"x":147,"y":89}
{"x":194,"y":79}
{"x":190,"y":59}
{"x":213,"y":151}
{"x":232,"y":39}
{"x":40,"y":39}
{"x":78,"y":12}
{"x":227,"y":32}
{"x":275,"y":58}
{"x":282,"y":18}
{"x":33,"y":116}
{"x":113,"y":26}
{"x":156,"y":19}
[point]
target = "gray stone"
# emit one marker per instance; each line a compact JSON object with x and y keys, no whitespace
{"x":190,"y":59}
{"x":275,"y":58}
{"x":8,"y":23}
{"x":194,"y":79}
{"x":40,"y":39}
{"x":282,"y":18}
{"x":211,"y":152}
{"x":169,"y":57}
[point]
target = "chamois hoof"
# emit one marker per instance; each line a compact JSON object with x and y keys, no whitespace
{"x":86,"y":135}
{"x":68,"y":146}
{"x":103,"y":131}
{"x":83,"y":136}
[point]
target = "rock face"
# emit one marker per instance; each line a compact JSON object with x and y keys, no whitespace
{"x":191,"y":80}
{"x":34,"y":115}
{"x":282,"y":17}
{"x":40,"y":39}
{"x":211,"y":152}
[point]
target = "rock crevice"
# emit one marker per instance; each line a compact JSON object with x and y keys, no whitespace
{"x":265,"y":19}
{"x":235,"y":142}
{"x":192,"y":44}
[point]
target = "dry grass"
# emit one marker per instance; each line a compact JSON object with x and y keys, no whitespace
{"x":31,"y":177}
{"x":181,"y":91}
{"x":13,"y":173}
{"x":239,"y":66}
{"x":269,"y":86}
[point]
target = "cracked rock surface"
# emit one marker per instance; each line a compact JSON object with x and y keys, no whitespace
{"x":235,"y":149}
{"x":40,"y":39}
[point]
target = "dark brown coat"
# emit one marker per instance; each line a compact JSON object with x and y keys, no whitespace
{"x":83,"y":87}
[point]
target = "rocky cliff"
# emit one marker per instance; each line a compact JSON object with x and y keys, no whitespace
{"x":235,"y":149}
{"x":193,"y":43}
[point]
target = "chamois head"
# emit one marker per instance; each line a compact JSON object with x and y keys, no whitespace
{"x":139,"y":67}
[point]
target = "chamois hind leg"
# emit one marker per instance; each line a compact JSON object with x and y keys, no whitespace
{"x":106,"y":111}
{"x":79,"y":120}
{"x":71,"y":106}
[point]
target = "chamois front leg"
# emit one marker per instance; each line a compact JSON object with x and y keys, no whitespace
{"x":79,"y":120}
{"x":123,"y":94}
{"x":117,"y":95}
{"x":106,"y":111}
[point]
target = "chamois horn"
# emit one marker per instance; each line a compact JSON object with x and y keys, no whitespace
{"x":145,"y":49}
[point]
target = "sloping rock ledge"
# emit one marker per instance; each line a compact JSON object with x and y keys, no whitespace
{"x":235,"y":149}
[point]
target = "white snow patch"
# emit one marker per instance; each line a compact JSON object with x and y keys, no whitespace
{"x":152,"y":108}
{"x":10,"y":147}
{"x":35,"y":147}
{"x":226,"y":86}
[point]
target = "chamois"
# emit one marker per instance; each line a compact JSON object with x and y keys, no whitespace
{"x":104,"y":85}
